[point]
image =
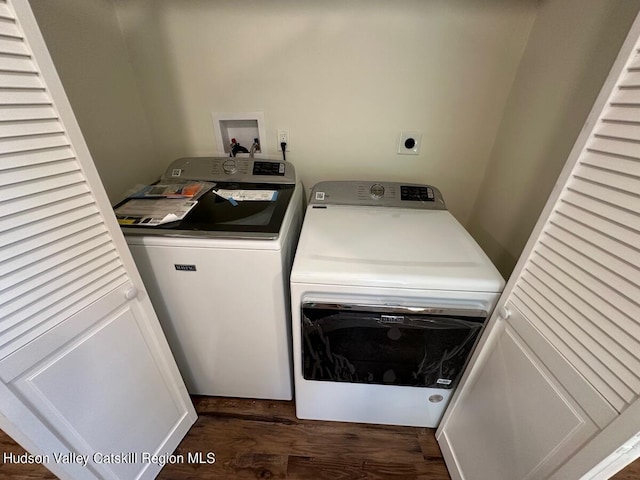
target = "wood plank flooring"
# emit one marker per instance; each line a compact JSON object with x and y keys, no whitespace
{"x":261,"y":439}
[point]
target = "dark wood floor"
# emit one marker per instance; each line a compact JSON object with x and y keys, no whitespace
{"x":260,"y":439}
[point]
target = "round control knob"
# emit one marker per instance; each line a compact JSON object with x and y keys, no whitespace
{"x":376,"y":191}
{"x":229,"y":167}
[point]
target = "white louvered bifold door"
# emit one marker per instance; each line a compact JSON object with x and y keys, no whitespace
{"x":84,"y":366}
{"x":554,"y":389}
{"x":56,"y":253}
{"x":581,"y":285}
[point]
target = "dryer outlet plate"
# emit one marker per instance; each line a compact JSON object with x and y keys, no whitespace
{"x":410,"y":142}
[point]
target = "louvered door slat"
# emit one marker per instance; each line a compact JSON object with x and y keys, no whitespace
{"x":39,"y":172}
{"x":619,"y":130}
{"x":29,"y":127}
{"x":625,"y":166}
{"x":614,"y":147}
{"x":16,"y":63}
{"x":631,"y":80}
{"x":20,"y":80}
{"x":14,"y":46}
{"x":4,"y":11}
{"x":623,"y":114}
{"x":10,"y":96}
{"x":626,"y":96}
{"x":634,"y":64}
{"x":26,"y":112}
{"x":26,"y":159}
{"x":8,"y":28}
{"x":21,"y":144}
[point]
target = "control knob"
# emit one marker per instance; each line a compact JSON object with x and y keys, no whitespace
{"x":376,"y":191}
{"x":229,"y":167}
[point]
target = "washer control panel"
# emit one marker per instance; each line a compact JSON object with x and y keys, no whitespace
{"x":231,"y":169}
{"x":386,"y":194}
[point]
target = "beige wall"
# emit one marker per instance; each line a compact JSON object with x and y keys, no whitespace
{"x":570,"y":51}
{"x":345,"y":77}
{"x":499,"y":88}
{"x":88,"y":49}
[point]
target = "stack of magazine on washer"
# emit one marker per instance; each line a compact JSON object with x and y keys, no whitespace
{"x":160,"y":203}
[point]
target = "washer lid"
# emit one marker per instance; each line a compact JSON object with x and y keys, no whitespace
{"x":217,"y":216}
{"x":391,"y":247}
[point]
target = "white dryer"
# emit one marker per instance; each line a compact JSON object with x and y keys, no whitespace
{"x":219,"y":279}
{"x":389,"y":295}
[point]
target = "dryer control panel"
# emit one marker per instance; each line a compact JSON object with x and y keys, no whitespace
{"x":384,"y":194}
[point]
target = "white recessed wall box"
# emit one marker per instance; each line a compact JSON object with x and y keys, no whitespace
{"x":244,"y":128}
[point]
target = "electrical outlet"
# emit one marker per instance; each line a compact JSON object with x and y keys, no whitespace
{"x":409,"y":143}
{"x":283,"y":136}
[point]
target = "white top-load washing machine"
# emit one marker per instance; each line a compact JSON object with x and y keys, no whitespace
{"x":219,"y":279}
{"x":389,"y":294}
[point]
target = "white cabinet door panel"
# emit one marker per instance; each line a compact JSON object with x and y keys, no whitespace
{"x":67,"y":377}
{"x":524,"y":417}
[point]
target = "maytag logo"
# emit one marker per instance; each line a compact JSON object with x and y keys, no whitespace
{"x":391,"y":319}
{"x":185,"y":268}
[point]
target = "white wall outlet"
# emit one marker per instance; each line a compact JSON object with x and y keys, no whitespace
{"x":283,"y":136}
{"x":409,"y":143}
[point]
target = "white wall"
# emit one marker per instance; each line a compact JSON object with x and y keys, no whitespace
{"x":344,"y":77}
{"x":572,"y":46}
{"x":88,"y":49}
